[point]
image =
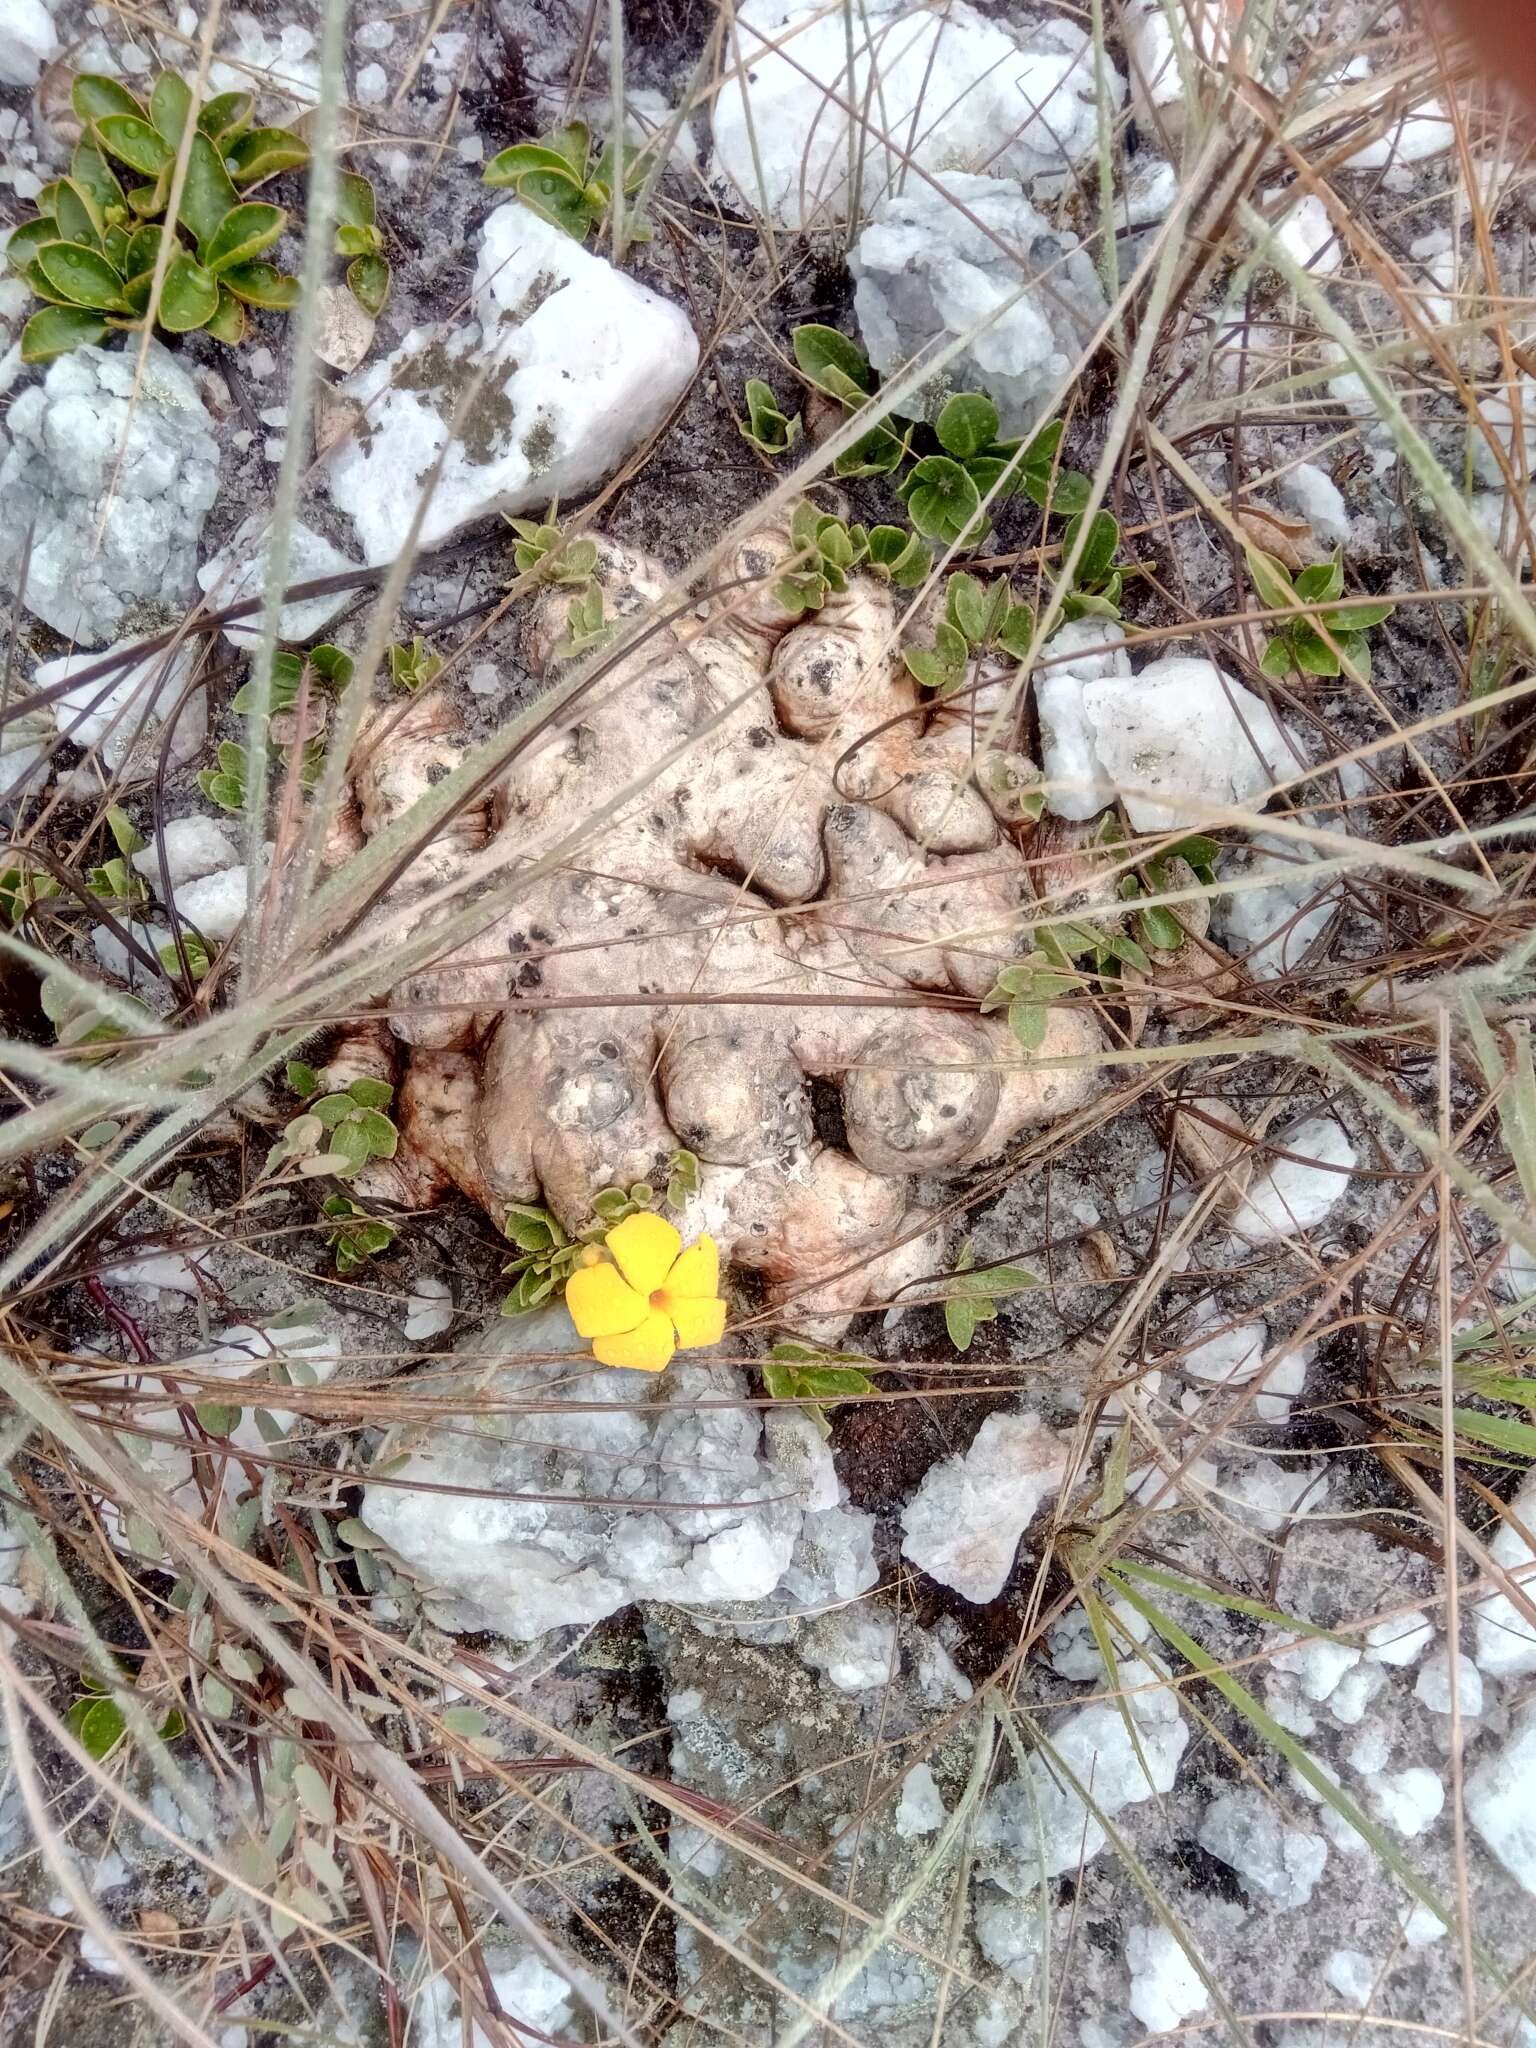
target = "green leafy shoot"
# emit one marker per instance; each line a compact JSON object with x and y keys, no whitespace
{"x":768,"y":430}
{"x":353,"y":1234}
{"x":358,"y":237}
{"x":543,"y":551}
{"x":1301,"y":646}
{"x":970,"y":1294}
{"x":91,"y":251}
{"x":979,"y":619}
{"x":1191,"y":860}
{"x":413,"y":664}
{"x":1026,"y":992}
{"x":827,"y":552}
{"x":563,"y":179}
{"x":801,"y":1372}
{"x":586,"y":625}
{"x":336,"y":1134}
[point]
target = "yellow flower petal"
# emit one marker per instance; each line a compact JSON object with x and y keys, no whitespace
{"x":696,"y":1272}
{"x":648,"y":1349}
{"x":601,"y":1305}
{"x":697,"y":1322}
{"x":645,"y":1246}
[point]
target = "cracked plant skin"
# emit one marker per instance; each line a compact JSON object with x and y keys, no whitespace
{"x":779,"y":816}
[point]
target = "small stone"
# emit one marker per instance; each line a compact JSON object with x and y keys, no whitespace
{"x":370,"y":85}
{"x":1408,"y":1800}
{"x":114,"y":485}
{"x":1244,"y":1830}
{"x":963,"y":1524}
{"x":1230,"y":1357}
{"x":1176,"y":742}
{"x":1166,"y":1988}
{"x":193,"y":847}
{"x":920,"y":1808}
{"x":1161,"y":69}
{"x":1352,"y":1975}
{"x":375,"y":35}
{"x":1503,"y":1636}
{"x":1314,"y":494}
{"x":238,"y":572}
{"x":1296,"y":1193}
{"x":1317,"y":1665}
{"x":1433,"y":1685}
{"x":854,"y":1648}
{"x":484,"y":680}
{"x":1307,"y":236}
{"x":938,"y":258}
{"x":1402,"y":1640}
{"x":428,"y":1308}
{"x":1420,"y":1926}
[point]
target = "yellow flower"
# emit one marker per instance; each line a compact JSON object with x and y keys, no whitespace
{"x":654,"y":1299}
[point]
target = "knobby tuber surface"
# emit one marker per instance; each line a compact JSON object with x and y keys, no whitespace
{"x":730,"y":845}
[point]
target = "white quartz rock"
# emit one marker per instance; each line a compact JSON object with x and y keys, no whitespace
{"x":121,"y":714}
{"x":1295,"y":1194}
{"x":1501,"y":1800}
{"x":1408,"y":1800}
{"x":28,"y":41}
{"x":662,"y":1491}
{"x":1279,"y":907}
{"x":1246,"y":1831}
{"x":1164,"y":64}
{"x":1402,"y":1640}
{"x":530,"y":1994}
{"x":1230,"y":1356}
{"x":1306,"y":234}
{"x":920,"y":1809}
{"x":944,"y":88}
{"x":1096,"y":647}
{"x":238,"y":572}
{"x":1311,"y":492}
{"x":1096,"y":1747}
{"x":194,"y":847}
{"x":579,"y":365}
{"x":114,"y":485}
{"x":1433,"y":1684}
{"x":937,"y":258}
{"x":854,"y":1648}
{"x":1171,"y":741}
{"x":1503,"y":1637}
{"x":1165,"y":1985}
{"x":963,"y":1524}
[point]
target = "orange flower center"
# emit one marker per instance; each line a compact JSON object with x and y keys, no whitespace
{"x":659,"y":1298}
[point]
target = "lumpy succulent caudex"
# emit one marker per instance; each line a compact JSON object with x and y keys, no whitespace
{"x":734,"y":869}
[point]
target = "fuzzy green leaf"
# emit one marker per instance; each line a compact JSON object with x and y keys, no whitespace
{"x":942,"y":501}
{"x":82,"y":277}
{"x":262,"y":153}
{"x":356,"y":206}
{"x":819,"y":350}
{"x":134,"y":142}
{"x":56,"y":330}
{"x":243,"y":233}
{"x":228,"y":322}
{"x":368,"y":280}
{"x":92,"y":95}
{"x":967,"y":423}
{"x":1270,"y":579}
{"x":261,"y":284}
{"x":93,"y":176}
{"x":170,"y":105}
{"x":226,"y":115}
{"x":190,"y":296}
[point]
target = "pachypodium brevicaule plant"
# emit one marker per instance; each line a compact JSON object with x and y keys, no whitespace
{"x":93,"y":249}
{"x":827,"y":551}
{"x":567,"y":180}
{"x":1328,"y":638}
{"x":303,"y":688}
{"x":979,"y":619}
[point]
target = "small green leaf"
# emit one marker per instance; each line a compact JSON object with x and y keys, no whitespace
{"x":225,"y":115}
{"x":170,"y":104}
{"x":314,"y":1794}
{"x":218,"y":1700}
{"x":130,"y":138}
{"x":1160,"y":928}
{"x":91,"y":175}
{"x":92,"y":95}
{"x":967,"y":423}
{"x":1029,"y":1023}
{"x":262,"y":153}
{"x":1270,"y":579}
{"x":1324,"y":580}
{"x":56,"y":330}
{"x":820,"y":350}
{"x":190,"y":296}
{"x":207,"y":195}
{"x":942,"y":501}
{"x":228,"y":322}
{"x":244,"y":232}
{"x":1357,"y":618}
{"x":356,"y":206}
{"x":370,"y":1094}
{"x":23,"y":243}
{"x":368,"y":280}
{"x":260,"y":284}
{"x":1098,"y":550}
{"x":100,"y":1728}
{"x":302,"y":1079}
{"x":1311,"y":653}
{"x":510,"y":165}
{"x":82,"y":276}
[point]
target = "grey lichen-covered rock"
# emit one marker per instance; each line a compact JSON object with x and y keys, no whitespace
{"x":565,"y":369}
{"x":940,"y":257}
{"x":112,"y":483}
{"x":858,"y":1783}
{"x":601,"y":1488}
